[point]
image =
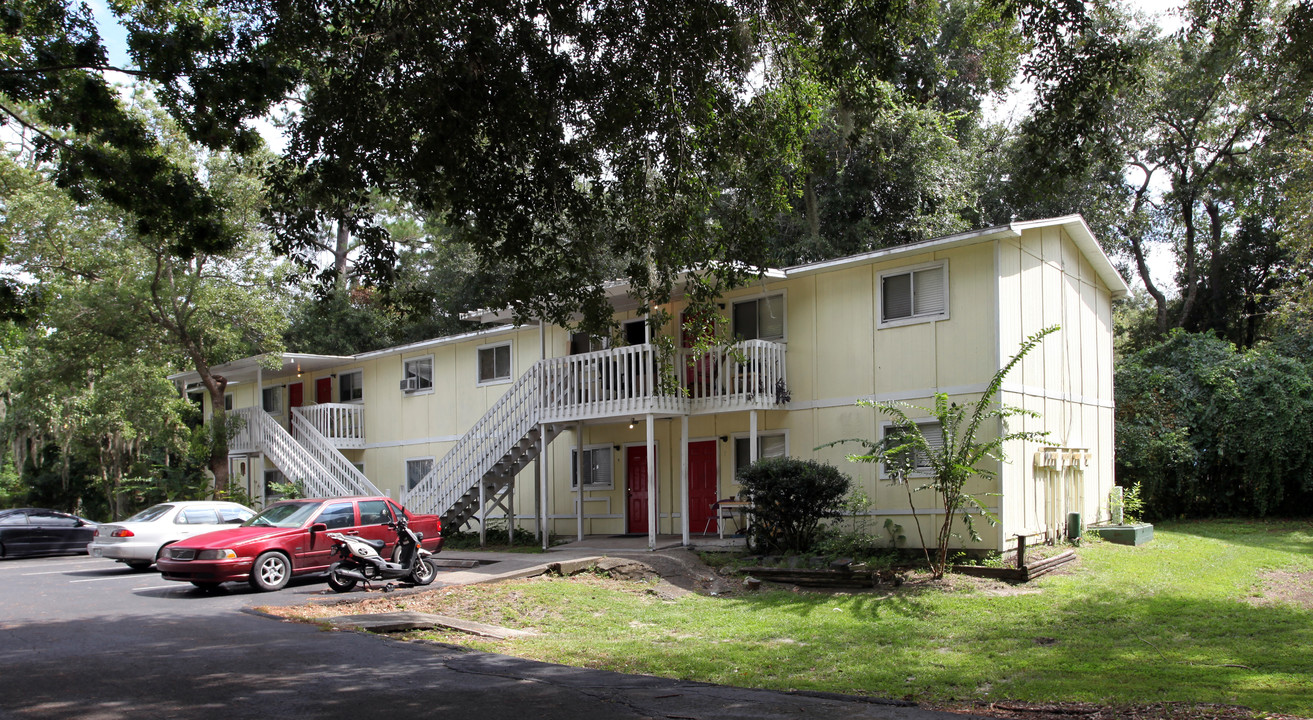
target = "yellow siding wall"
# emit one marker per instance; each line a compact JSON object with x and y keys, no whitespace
{"x":1045,"y":281}
{"x":999,"y":292}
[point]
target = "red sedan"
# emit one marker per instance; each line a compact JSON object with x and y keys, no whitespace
{"x":286,"y":539}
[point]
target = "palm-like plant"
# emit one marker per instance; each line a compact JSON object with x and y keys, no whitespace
{"x":948,"y":466}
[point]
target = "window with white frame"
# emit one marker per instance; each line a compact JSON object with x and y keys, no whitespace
{"x":271,"y":399}
{"x":917,"y":463}
{"x":416,"y":469}
{"x":495,"y":363}
{"x":598,"y":468}
{"x":768,"y":445}
{"x":350,"y":386}
{"x":759,"y":319}
{"x":417,"y":374}
{"x":914,"y":295}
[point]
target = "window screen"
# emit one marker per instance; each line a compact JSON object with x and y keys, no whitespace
{"x":349,"y":387}
{"x":760,"y":319}
{"x":416,"y":470}
{"x":494,"y":363}
{"x":598,"y":468}
{"x":418,"y":374}
{"x":919,"y":293}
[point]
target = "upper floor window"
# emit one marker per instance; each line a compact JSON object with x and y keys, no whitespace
{"x":597,"y":467}
{"x":914,"y":295}
{"x":760,"y":319}
{"x":916,"y":462}
{"x":417,"y":374}
{"x":495,"y":363}
{"x":271,"y":400}
{"x":350,"y":387}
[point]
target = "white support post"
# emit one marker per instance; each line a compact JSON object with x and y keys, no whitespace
{"x":483,"y":513}
{"x":683,"y":479}
{"x":543,"y":524}
{"x":579,"y":477}
{"x":752,"y":436}
{"x":651,"y":484}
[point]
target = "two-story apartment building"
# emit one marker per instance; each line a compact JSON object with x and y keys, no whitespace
{"x":549,"y":429}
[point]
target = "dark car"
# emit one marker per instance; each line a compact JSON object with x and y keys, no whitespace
{"x":288,"y":538}
{"x":38,"y":531}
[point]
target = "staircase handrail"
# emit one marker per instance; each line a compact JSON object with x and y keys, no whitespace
{"x":289,"y":456}
{"x":479,"y":449}
{"x":322,"y":450}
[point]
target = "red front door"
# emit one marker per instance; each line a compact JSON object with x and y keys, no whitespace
{"x":324,"y":390}
{"x":702,"y":486}
{"x":636,"y":487}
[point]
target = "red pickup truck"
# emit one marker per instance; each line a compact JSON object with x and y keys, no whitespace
{"x":289,"y":538}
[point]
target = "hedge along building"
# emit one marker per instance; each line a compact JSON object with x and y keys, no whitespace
{"x":541,"y":428}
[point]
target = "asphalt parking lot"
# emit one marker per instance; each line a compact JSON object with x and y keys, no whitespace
{"x":88,"y":638}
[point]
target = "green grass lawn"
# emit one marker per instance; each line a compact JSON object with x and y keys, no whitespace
{"x":1179,"y":619}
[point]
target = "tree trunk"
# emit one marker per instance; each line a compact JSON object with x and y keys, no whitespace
{"x":340,"y":252}
{"x":1135,"y":235}
{"x":1189,"y":262}
{"x":216,"y":385}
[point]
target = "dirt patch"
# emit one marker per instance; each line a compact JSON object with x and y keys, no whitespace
{"x":1089,"y":711}
{"x":1285,"y":587}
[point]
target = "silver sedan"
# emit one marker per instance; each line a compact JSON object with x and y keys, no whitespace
{"x":139,"y":541}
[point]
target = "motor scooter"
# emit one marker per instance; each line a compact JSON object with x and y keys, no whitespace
{"x":360,"y":560}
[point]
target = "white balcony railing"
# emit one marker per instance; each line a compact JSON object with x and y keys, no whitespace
{"x":749,"y":374}
{"x":342,"y":424}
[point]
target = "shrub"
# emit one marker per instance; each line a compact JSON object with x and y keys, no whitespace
{"x":1207,"y":429}
{"x":790,"y":498}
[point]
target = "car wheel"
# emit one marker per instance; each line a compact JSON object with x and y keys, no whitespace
{"x":206,"y":586}
{"x":424,"y":572}
{"x":271,"y":571}
{"x":138,"y":565}
{"x":338,"y":582}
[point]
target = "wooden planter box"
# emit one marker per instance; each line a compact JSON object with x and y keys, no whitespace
{"x":1025,"y":573}
{"x":1125,"y":534}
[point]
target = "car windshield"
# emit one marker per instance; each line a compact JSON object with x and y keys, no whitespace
{"x":283,"y":515}
{"x":155,"y":512}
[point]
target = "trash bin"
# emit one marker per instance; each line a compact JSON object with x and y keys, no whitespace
{"x":1073,"y":526}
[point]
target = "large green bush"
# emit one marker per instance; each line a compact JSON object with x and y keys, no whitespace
{"x":1207,"y":429}
{"x":790,"y":498}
